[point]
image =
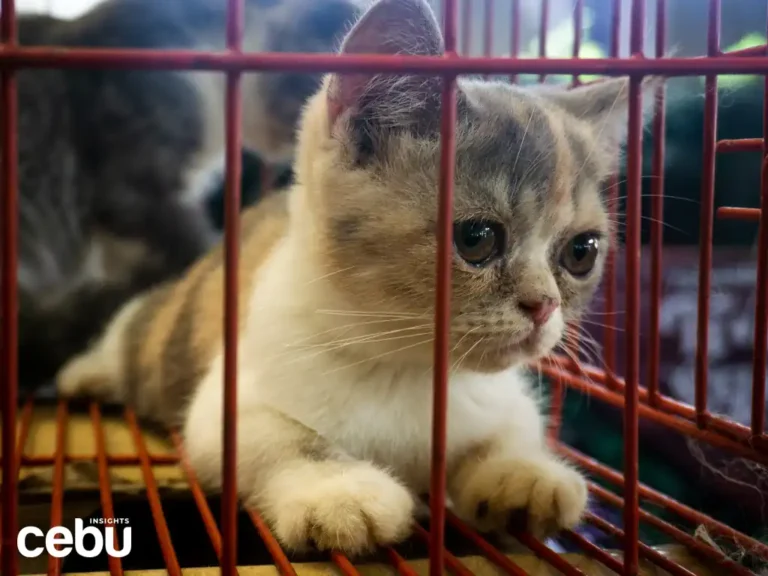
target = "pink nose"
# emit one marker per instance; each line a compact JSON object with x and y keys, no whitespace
{"x":539,"y":311}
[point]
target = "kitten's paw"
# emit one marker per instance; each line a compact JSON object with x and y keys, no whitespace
{"x":82,"y":376}
{"x":354,"y":508}
{"x":542,"y":496}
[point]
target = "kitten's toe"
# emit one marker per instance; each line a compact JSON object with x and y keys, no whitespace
{"x":354,"y":510}
{"x":542,"y":496}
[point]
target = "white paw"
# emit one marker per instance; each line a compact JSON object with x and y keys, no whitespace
{"x":542,"y":496}
{"x":88,"y":376}
{"x":79,"y":377}
{"x":350,"y":507}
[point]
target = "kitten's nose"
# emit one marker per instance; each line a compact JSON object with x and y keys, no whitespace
{"x":539,"y":311}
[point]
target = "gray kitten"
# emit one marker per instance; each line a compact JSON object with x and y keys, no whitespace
{"x":115,"y":166}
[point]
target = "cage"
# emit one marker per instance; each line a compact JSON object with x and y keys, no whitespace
{"x":118,"y":464}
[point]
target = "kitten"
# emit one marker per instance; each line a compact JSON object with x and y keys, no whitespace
{"x":115,"y":165}
{"x":336,"y":305}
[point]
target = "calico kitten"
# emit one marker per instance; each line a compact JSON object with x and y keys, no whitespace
{"x":115,"y":166}
{"x":336,"y":299}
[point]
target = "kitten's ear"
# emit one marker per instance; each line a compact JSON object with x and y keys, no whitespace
{"x":605,"y":104}
{"x":388,"y":27}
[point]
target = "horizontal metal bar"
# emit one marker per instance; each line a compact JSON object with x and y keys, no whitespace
{"x":682,"y":425}
{"x":305,"y":62}
{"x":112,"y":460}
{"x":666,"y":405}
{"x":751,"y":51}
{"x":740,"y":145}
{"x":736,"y":213}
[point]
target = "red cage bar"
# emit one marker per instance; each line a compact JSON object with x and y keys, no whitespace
{"x":621,"y":390}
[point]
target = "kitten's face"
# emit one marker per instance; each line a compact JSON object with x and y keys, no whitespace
{"x":531,"y":230}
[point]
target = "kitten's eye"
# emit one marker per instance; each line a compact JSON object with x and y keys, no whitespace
{"x":478,"y":241}
{"x":580,"y":254}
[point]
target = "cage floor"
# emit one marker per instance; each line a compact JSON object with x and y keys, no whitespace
{"x":93,"y":461}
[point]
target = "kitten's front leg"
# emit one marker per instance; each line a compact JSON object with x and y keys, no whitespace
{"x":497,"y":486}
{"x":307,"y":490}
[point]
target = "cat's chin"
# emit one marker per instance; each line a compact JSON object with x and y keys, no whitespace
{"x":497,"y":356}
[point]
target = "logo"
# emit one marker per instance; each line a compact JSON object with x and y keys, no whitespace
{"x":58,"y":541}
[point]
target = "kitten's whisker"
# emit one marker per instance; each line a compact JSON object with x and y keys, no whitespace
{"x":347,"y":269}
{"x":461,"y":359}
{"x":682,"y":198}
{"x":575,"y":360}
{"x":583,"y":337}
{"x":601,"y":325}
{"x":624,"y":181}
{"x":366,"y":337}
{"x":542,"y":157}
{"x":372,"y":358}
{"x":598,"y":313}
{"x":522,"y":141}
{"x":475,"y":329}
{"x":367,"y":314}
{"x":322,"y":351}
{"x":619,"y":223}
{"x":345,"y":327}
{"x":588,"y":344}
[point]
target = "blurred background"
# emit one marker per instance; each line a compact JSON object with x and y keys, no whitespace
{"x":740,"y":108}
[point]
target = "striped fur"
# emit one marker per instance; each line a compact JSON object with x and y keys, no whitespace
{"x":170,"y":335}
{"x":337,"y":297}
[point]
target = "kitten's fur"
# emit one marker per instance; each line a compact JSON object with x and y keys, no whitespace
{"x":336,"y":301}
{"x":115,"y":165}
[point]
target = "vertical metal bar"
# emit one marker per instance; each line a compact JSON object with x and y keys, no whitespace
{"x":543,"y":29}
{"x":466,"y":27}
{"x":578,"y":25}
{"x":657,"y":213}
{"x":233,"y":118}
{"x":609,"y":345}
{"x":21,"y":442}
{"x":631,"y":449}
{"x":706,"y":219}
{"x":616,"y":29}
{"x":455,"y":567}
{"x":514,"y":48}
{"x":105,"y":489}
{"x":514,"y":41}
{"x":488,"y":29}
{"x":443,"y":299}
{"x":9,"y":342}
{"x":632,"y":391}
{"x":57,"y":494}
{"x":761,"y":292}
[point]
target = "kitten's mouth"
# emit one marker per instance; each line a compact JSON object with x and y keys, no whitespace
{"x":494,"y":352}
{"x":508,"y":347}
{"x":505,"y":346}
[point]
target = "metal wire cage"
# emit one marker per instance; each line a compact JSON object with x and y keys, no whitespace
{"x":625,"y":392}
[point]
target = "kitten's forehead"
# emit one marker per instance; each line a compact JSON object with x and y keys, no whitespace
{"x":518,"y":151}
